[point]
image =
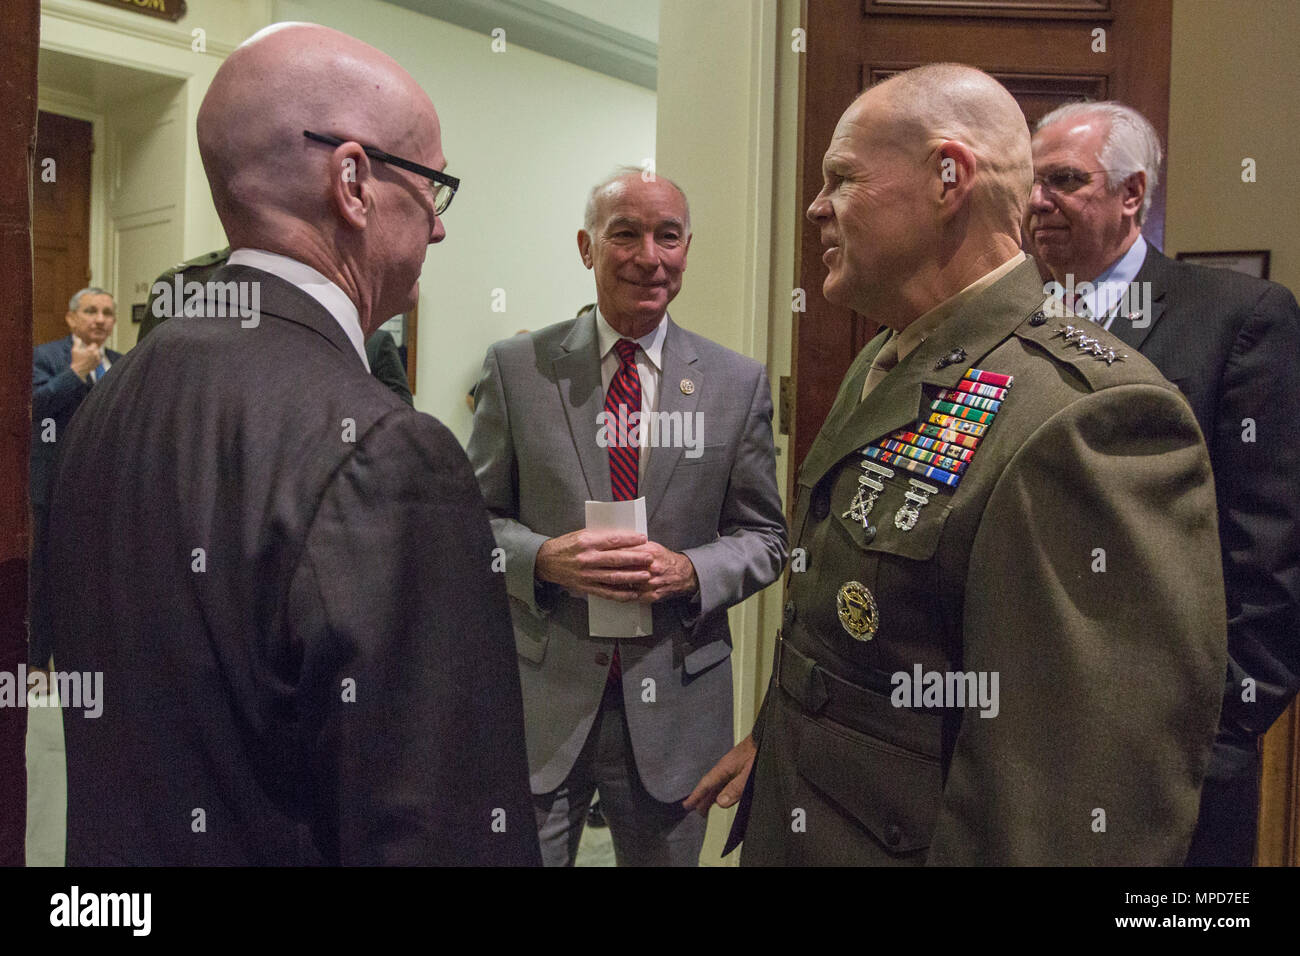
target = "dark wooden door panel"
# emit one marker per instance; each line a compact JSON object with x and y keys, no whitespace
{"x":60,"y":221}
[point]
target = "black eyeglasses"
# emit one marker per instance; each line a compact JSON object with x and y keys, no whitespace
{"x":444,"y":186}
{"x":1068,"y":180}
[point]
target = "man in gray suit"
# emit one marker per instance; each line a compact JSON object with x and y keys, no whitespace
{"x":640,"y":717}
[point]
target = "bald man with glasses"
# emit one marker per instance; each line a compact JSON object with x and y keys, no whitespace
{"x":321,"y":668}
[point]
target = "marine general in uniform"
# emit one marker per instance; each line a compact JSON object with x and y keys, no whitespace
{"x":1007,"y":646}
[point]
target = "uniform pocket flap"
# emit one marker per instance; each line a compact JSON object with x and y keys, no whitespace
{"x":892,"y":792}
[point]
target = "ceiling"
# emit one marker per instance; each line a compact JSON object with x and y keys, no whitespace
{"x":637,"y":17}
{"x":619,"y":38}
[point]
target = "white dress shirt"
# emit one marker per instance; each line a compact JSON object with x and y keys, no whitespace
{"x":1107,"y":295}
{"x":649,"y":365}
{"x":334,"y":300}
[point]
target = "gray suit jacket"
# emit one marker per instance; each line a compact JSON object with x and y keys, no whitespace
{"x":534,"y":449}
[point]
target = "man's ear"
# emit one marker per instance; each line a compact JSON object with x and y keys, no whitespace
{"x":351,"y":182}
{"x":956,"y":175}
{"x":584,"y":248}
{"x":1133,"y":190}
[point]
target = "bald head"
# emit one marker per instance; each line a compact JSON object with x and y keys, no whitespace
{"x":926,"y":178}
{"x":276,"y":190}
{"x":949,"y":101}
{"x":282,"y":80}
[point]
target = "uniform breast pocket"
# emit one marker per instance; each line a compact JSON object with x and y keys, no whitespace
{"x":897,"y":519}
{"x":891,"y":545}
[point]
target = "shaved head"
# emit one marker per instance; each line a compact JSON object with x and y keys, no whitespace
{"x":276,"y":190}
{"x":925,"y":181}
{"x":951,"y":101}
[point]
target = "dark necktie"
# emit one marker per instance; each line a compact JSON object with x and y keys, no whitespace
{"x":624,"y":456}
{"x":624,"y":390}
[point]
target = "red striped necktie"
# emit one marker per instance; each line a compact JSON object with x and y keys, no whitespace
{"x":624,"y":455}
{"x":624,"y":390}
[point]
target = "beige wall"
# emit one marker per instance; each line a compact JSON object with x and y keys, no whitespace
{"x":728,"y":132}
{"x":528,"y":135}
{"x":1235,"y":93}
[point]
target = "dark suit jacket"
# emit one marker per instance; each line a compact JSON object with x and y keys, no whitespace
{"x":386,"y":364}
{"x":305,"y":655}
{"x":1231,"y":343}
{"x":57,"y":392}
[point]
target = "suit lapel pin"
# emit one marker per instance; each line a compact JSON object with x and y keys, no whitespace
{"x":687,"y":387}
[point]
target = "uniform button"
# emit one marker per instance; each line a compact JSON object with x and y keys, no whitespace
{"x":870,"y":533}
{"x":602,"y":659}
{"x":1038,"y":318}
{"x":789,"y":613}
{"x":893,"y":836}
{"x":821,"y":502}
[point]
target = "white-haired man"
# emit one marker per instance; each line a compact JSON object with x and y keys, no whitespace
{"x":1231,"y":343}
{"x":639,"y":715}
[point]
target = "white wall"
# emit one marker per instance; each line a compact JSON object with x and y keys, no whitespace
{"x":528,"y":135}
{"x":728,"y":132}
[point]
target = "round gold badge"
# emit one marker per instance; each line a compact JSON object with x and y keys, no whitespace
{"x":857,"y":611}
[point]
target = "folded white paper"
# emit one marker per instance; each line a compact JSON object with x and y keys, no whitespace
{"x":606,"y":618}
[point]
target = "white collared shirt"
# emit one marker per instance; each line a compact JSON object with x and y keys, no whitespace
{"x":333,"y":299}
{"x":649,"y":367}
{"x":1109,"y":288}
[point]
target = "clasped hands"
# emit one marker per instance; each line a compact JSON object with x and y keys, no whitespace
{"x":618,"y":565}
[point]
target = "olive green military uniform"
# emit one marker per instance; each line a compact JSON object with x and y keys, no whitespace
{"x":199,"y":269}
{"x":1077,"y":560}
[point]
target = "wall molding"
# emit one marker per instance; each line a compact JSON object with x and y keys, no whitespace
{"x":546,"y":28}
{"x":132,"y":25}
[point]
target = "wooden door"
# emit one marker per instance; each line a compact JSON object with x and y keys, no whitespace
{"x":60,"y":221}
{"x":19,"y":35}
{"x":1046,"y":52}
